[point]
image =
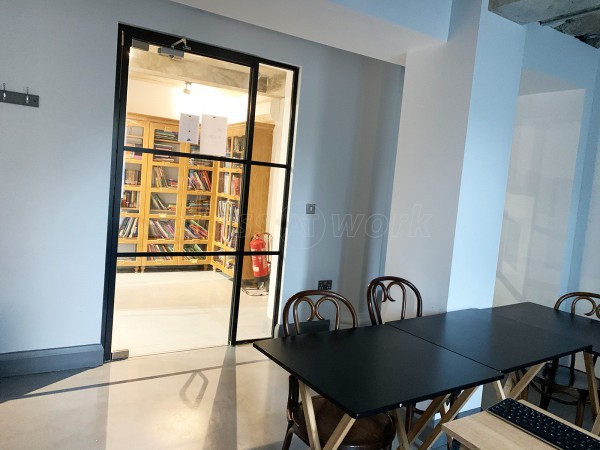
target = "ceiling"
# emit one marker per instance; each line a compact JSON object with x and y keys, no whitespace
{"x":578,"y":18}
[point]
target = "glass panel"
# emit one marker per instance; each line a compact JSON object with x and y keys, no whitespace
{"x":265,"y":205}
{"x":257,"y":298}
{"x":159,"y":310}
{"x":189,"y":205}
{"x":132,"y":196}
{"x":124,"y":247}
{"x":214,"y":91}
{"x":273,"y":112}
{"x":165,"y":138}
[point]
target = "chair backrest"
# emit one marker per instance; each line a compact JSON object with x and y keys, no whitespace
{"x":392,"y":289}
{"x":573,"y":298}
{"x":315,"y":301}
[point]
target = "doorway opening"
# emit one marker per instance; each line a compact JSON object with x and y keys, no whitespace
{"x":201,"y":172}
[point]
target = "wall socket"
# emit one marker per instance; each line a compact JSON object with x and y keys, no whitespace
{"x":311,"y":208}
{"x":324,"y":285}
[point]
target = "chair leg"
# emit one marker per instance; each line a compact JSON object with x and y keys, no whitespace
{"x":545,"y":398}
{"x":410,"y":411}
{"x":582,"y":399}
{"x":288,"y":438}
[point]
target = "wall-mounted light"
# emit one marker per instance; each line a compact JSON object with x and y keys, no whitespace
{"x":187,"y":89}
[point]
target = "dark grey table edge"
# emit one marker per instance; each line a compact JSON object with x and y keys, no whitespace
{"x":390,"y":405}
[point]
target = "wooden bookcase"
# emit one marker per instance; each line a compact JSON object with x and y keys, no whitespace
{"x":227,"y":196}
{"x":172,"y":204}
{"x":133,"y":193}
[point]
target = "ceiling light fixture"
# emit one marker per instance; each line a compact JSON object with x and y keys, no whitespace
{"x":186,"y":89}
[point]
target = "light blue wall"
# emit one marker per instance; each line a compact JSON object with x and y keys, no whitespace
{"x":431,"y":17}
{"x":55,"y":160}
{"x":496,"y":76}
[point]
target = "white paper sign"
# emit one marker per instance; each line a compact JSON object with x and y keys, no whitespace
{"x":188,"y":128}
{"x":213,"y":135}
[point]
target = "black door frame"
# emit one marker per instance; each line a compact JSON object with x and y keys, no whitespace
{"x":126,"y":35}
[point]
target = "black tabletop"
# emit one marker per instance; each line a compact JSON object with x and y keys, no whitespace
{"x":559,"y":322}
{"x":489,"y":338}
{"x":369,"y":370}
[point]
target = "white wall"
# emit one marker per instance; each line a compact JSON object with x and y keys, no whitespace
{"x":538,"y":199}
{"x":589,"y":249}
{"x":590,"y":267}
{"x":55,"y":160}
{"x":433,"y":123}
{"x":457,"y":115}
{"x":496,"y":75}
{"x":565,"y":58}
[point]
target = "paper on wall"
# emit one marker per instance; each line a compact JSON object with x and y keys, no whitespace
{"x":188,"y":128}
{"x":213,"y":135}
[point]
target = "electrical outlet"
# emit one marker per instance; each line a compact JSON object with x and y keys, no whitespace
{"x":324,"y":285}
{"x":310,"y":208}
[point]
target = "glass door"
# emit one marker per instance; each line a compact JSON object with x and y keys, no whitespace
{"x":201,"y":170}
{"x":266,"y":202}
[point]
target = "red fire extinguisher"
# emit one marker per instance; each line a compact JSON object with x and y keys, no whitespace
{"x":260,"y":263}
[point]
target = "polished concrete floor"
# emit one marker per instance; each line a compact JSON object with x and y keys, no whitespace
{"x":165,"y":311}
{"x":218,"y":398}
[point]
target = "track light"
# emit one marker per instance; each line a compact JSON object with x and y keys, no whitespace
{"x":187,"y":89}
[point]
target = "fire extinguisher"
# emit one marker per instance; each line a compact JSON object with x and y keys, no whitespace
{"x":261,"y":267}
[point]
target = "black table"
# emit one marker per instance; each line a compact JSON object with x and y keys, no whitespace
{"x":369,"y":370}
{"x":564,"y":324}
{"x":559,"y":322}
{"x":490,"y":338}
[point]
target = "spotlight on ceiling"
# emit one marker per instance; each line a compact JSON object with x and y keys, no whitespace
{"x":187,"y":89}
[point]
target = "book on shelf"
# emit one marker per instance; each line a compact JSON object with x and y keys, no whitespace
{"x":200,"y":162}
{"x":161,"y":229}
{"x":238,"y":145}
{"x":195,"y":230}
{"x":133,"y":177}
{"x":228,"y":209}
{"x":199,"y":180}
{"x":160,"y":248}
{"x":160,"y":180}
{"x":164,"y":159}
{"x":157,"y":203}
{"x":193,"y":248}
{"x":224,"y":187}
{"x":128,"y":227}
{"x":235,"y":184}
{"x":166,"y":135}
{"x":199,"y":207}
{"x":130,"y":199}
{"x":164,"y":147}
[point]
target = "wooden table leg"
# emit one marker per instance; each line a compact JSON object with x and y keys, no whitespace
{"x":401,"y":431}
{"x":339,"y":433}
{"x":341,"y":430}
{"x":497,"y":385}
{"x":309,"y":417}
{"x":592,"y":383}
{"x":523,"y":382}
{"x":451,"y":414}
{"x":434,"y":407}
{"x":593,"y":388}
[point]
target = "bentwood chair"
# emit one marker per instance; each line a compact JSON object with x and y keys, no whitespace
{"x":566,"y":384}
{"x":371,"y":433}
{"x":398,"y":290}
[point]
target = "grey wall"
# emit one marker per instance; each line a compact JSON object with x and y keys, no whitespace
{"x":55,"y":160}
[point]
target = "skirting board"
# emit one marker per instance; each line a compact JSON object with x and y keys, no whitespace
{"x":51,"y":360}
